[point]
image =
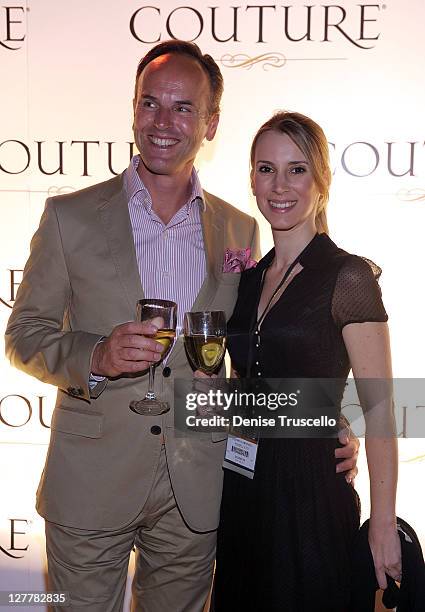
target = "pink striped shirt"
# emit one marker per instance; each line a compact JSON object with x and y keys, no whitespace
{"x":171,"y":257}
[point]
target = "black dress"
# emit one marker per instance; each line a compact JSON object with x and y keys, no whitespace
{"x":285,"y":537}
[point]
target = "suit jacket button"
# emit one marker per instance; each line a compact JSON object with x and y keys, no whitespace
{"x":155,"y":430}
{"x":166,"y":372}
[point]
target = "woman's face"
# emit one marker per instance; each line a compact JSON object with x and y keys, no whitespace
{"x":283,"y":183}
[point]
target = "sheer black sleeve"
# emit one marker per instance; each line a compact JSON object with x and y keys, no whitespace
{"x":357,"y":296}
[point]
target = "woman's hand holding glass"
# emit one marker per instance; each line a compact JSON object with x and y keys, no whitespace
{"x":205,"y":340}
{"x":205,"y":343}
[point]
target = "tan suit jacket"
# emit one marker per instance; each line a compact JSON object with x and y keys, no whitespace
{"x":80,"y":281}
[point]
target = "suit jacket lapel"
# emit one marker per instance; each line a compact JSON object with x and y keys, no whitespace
{"x":213,"y":230}
{"x":115,"y":219}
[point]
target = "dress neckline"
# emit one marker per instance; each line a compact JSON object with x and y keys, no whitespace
{"x":257,"y":320}
{"x":315,"y":255}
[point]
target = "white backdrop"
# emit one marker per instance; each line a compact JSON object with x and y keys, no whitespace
{"x":67,"y":74}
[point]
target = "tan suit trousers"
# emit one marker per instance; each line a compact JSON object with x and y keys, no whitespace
{"x":174,"y":565}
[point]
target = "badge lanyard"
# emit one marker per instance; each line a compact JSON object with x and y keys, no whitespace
{"x":241,"y":452}
{"x":255,"y":323}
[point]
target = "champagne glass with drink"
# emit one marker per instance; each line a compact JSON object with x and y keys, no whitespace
{"x":205,"y":339}
{"x":163,"y":314}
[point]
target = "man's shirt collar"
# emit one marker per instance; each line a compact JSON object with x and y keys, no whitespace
{"x":135,"y":187}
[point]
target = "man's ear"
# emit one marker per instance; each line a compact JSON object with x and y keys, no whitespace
{"x":212,"y":126}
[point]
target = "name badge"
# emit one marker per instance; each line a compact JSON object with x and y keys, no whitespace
{"x":240,"y":456}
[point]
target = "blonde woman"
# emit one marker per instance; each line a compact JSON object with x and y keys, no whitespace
{"x":285,"y":538}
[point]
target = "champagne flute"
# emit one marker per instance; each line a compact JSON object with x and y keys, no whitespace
{"x":205,"y":339}
{"x":164,"y":313}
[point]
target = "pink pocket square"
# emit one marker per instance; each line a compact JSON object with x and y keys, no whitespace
{"x":238,"y":260}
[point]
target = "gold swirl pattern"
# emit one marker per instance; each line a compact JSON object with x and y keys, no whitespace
{"x":241,"y":60}
{"x":54,"y":190}
{"x":417,"y":459}
{"x":411,"y":195}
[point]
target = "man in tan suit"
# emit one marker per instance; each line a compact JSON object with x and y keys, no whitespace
{"x":114,"y":479}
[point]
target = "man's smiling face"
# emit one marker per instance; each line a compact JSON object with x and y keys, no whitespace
{"x":172,"y":114}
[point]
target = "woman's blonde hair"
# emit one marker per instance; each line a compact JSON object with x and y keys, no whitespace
{"x":311,"y":140}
